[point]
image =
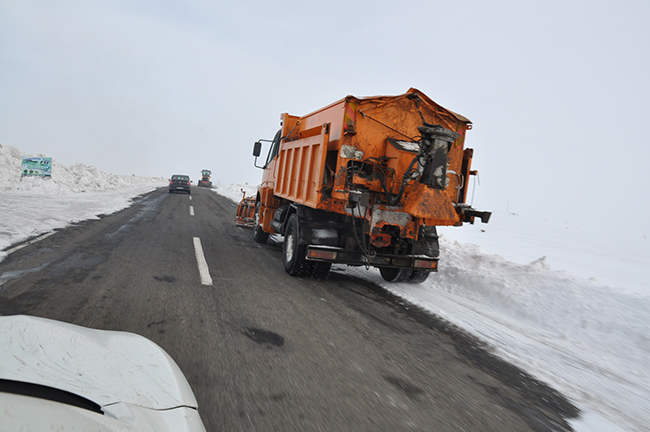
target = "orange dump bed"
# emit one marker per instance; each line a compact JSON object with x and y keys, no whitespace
{"x":364,"y":181}
{"x":365,"y":148}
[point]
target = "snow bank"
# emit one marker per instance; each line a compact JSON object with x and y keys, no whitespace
{"x":585,"y":339}
{"x":234,"y":191}
{"x":77,"y":178}
{"x":615,"y":258}
{"x":31,"y":206}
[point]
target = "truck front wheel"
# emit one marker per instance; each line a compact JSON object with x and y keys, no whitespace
{"x":293,"y":252}
{"x":258,"y":234}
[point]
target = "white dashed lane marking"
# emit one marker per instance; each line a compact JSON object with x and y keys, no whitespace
{"x":204,"y":271}
{"x":191,"y":210}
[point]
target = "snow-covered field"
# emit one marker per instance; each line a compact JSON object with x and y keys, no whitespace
{"x":31,"y":206}
{"x":567,"y":304}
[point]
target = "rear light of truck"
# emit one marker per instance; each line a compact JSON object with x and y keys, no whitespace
{"x":321,"y":254}
{"x":418,"y":263}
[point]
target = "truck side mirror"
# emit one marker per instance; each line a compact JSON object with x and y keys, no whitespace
{"x":257,"y":148}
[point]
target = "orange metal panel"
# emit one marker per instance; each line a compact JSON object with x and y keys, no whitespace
{"x":364,"y":126}
{"x":301,"y":163}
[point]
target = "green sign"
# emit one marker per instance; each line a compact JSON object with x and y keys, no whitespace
{"x":37,"y":166}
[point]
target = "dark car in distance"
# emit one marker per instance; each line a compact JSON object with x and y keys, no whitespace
{"x":179,"y":183}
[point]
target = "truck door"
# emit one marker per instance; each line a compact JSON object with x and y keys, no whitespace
{"x":268,"y":179}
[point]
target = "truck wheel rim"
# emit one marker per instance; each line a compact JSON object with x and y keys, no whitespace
{"x":289,"y":247}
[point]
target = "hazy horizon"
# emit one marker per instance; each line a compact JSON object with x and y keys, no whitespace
{"x":554,"y":90}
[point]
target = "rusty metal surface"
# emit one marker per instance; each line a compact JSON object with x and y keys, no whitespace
{"x":379,"y":136}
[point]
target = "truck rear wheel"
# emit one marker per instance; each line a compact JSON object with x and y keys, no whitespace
{"x":404,"y":275}
{"x":319,"y":269}
{"x":395,"y":274}
{"x":419,"y":276}
{"x":293,"y":252}
{"x":258,"y":234}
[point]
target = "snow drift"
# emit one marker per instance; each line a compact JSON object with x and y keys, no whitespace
{"x":30,"y":206}
{"x":77,"y":178}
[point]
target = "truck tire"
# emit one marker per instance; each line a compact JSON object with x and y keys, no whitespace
{"x":293,"y":253}
{"x":258,"y":234}
{"x":404,"y":275}
{"x":419,"y":276}
{"x":319,"y":269}
{"x":395,"y":274}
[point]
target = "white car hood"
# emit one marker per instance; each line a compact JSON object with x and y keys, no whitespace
{"x":106,"y":367}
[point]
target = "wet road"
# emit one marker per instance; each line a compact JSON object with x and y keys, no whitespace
{"x":264,"y":351}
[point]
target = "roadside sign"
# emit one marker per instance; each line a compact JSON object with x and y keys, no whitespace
{"x":37,"y":166}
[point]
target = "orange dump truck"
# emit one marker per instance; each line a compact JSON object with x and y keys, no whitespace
{"x":364,"y":181}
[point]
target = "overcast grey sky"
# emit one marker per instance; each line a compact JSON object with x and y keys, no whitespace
{"x":557,"y":90}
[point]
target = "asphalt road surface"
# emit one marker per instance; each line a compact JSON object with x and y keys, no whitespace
{"x":264,"y":351}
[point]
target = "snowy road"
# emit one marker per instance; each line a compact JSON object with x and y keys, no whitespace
{"x":262,"y":350}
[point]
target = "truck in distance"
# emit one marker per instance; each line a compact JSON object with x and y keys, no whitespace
{"x":205,"y":181}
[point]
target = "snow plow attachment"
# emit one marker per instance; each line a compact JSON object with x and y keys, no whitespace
{"x":246,"y":211}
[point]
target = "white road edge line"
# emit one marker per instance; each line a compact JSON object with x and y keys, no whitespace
{"x":191,"y":210}
{"x":14,"y":249}
{"x":204,"y":271}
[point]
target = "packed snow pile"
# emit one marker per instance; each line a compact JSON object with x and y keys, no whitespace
{"x":235,"y":192}
{"x":587,"y":340}
{"x":30,"y":206}
{"x":77,"y":178}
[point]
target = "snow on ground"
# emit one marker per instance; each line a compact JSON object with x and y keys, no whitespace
{"x":588,"y":341}
{"x":566,"y":304}
{"x":235,"y":191}
{"x":31,"y":206}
